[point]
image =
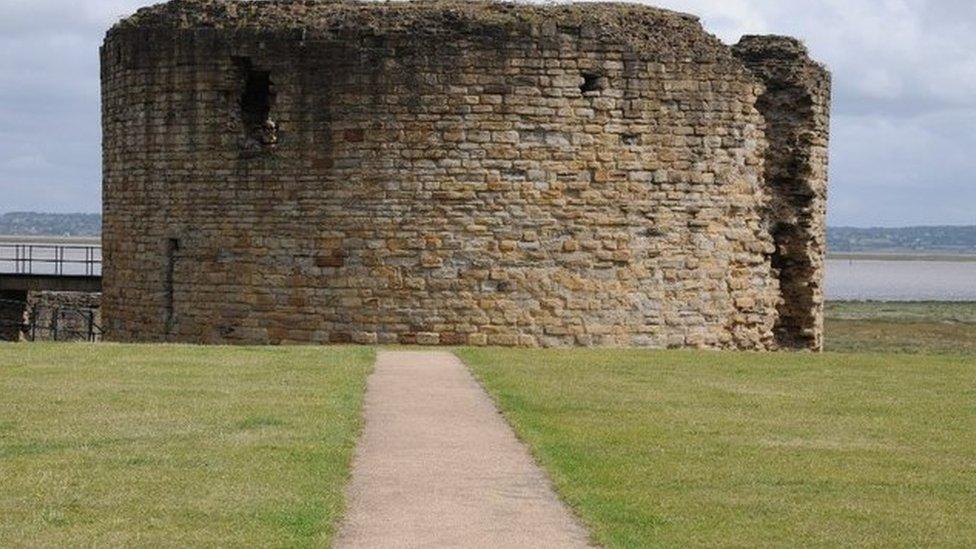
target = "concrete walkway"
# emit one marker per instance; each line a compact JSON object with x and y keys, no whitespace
{"x":438,"y":467}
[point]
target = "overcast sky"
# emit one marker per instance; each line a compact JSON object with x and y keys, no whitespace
{"x":903,"y":147}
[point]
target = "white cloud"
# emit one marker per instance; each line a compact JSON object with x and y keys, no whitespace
{"x":27,"y":162}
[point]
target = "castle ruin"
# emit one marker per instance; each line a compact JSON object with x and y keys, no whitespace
{"x":460,"y":173}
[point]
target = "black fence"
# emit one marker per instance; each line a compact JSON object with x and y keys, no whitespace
{"x":50,"y":323}
{"x":50,"y":259}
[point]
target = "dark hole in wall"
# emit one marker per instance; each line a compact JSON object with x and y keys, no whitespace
{"x":592,"y":82}
{"x":256,"y":100}
{"x":13,"y":314}
{"x":789,"y":214}
{"x":256,"y":103}
{"x":172,"y":249}
{"x":794,"y":269}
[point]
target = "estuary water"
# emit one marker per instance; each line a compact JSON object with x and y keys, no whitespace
{"x":891,"y":280}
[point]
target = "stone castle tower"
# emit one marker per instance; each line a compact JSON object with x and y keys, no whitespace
{"x":446,"y":172}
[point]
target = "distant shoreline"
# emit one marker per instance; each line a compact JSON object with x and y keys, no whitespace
{"x":39,"y":239}
{"x":860,"y":256}
{"x":903,"y":256}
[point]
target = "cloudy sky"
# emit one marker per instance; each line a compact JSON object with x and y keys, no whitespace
{"x":903,"y":146}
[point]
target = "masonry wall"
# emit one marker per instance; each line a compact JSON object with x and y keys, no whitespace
{"x":13,"y":314}
{"x":796,"y":106}
{"x":49,"y":316}
{"x":65,"y":316}
{"x":440,"y":174}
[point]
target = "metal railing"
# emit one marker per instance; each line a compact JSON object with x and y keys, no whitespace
{"x":50,"y":323}
{"x":50,"y":259}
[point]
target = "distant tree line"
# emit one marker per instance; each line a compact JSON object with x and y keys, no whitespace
{"x":954,"y":239}
{"x":47,"y":224}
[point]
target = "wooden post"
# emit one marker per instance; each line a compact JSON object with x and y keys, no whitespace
{"x":54,"y":323}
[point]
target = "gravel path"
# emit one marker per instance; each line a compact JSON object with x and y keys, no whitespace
{"x":437,"y":466}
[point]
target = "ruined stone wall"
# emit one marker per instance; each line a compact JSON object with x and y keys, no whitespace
{"x":436,"y":173}
{"x":796,"y":105}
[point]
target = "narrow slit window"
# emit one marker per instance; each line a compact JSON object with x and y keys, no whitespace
{"x":172,"y":249}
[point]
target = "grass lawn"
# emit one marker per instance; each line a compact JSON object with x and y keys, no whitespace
{"x":113,"y":445}
{"x":676,"y":449}
{"x":901,"y":327}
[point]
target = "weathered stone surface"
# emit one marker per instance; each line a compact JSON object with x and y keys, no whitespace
{"x":49,"y":316}
{"x":13,"y":315}
{"x":65,"y":316}
{"x":459,"y":172}
{"x":796,"y":105}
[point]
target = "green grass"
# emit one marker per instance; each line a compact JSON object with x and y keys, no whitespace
{"x":208,"y":446}
{"x":674,"y":449}
{"x":113,"y":445}
{"x":901,"y":327}
{"x":903,"y":311}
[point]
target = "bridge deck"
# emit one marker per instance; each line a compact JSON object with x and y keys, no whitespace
{"x":49,"y":283}
{"x":50,"y":264}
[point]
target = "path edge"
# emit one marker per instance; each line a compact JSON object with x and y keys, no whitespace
{"x":533,"y":453}
{"x":342,"y":511}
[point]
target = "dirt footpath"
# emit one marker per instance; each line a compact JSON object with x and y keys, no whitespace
{"x":437,"y":466}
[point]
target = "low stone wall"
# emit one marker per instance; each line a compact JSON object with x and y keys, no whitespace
{"x":64,"y":316}
{"x":13,"y":315}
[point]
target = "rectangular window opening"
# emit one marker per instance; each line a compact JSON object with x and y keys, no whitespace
{"x":256,"y":101}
